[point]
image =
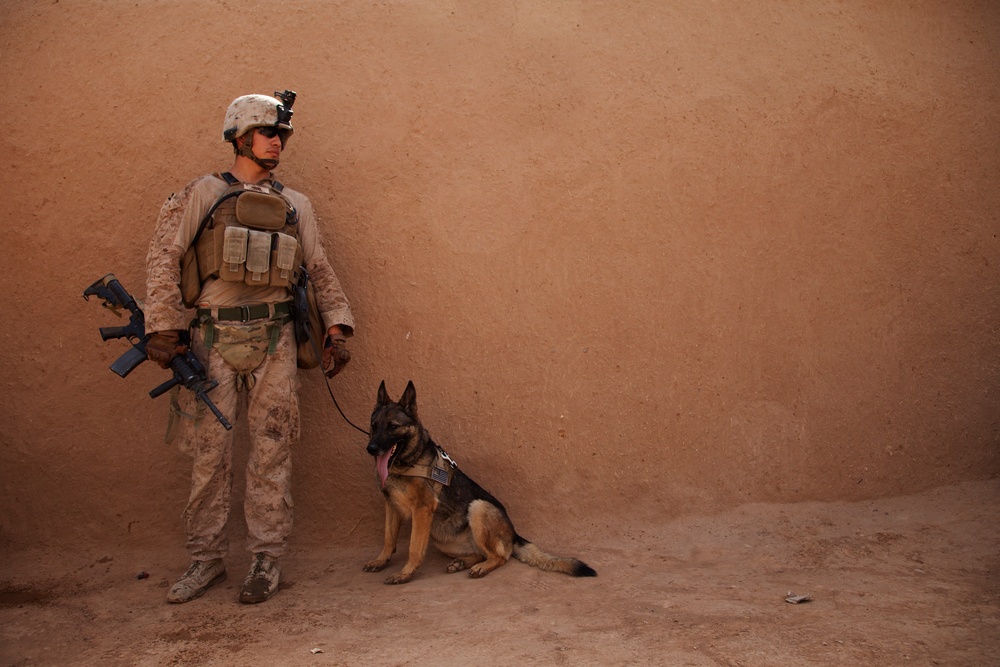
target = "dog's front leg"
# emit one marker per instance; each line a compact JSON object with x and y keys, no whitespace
{"x":393,"y":520}
{"x":420,"y":535}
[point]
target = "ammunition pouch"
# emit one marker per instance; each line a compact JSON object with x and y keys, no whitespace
{"x":250,"y":235}
{"x":259,"y":210}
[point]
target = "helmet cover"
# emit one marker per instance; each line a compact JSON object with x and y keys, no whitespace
{"x":250,"y":111}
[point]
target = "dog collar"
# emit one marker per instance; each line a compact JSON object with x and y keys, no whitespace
{"x":441,"y":470}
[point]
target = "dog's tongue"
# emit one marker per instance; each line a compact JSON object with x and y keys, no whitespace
{"x":382,"y":466}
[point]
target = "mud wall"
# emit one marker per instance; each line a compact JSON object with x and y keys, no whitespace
{"x":639,"y":258}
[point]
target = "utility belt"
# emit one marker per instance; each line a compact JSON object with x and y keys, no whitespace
{"x":258,"y":311}
{"x":247,"y":327}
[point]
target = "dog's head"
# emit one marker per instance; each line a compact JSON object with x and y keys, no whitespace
{"x":395,"y":430}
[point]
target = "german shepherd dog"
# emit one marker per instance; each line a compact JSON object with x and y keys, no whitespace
{"x":421,"y":483}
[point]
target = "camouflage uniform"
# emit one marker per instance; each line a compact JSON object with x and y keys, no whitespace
{"x":271,"y":387}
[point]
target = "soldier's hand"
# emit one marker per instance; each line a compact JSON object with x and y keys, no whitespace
{"x":335,"y":354}
{"x":163,"y":346}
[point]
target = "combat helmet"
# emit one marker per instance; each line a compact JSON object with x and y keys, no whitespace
{"x":248,"y":112}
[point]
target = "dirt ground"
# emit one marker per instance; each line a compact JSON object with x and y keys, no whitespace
{"x":902,"y":581}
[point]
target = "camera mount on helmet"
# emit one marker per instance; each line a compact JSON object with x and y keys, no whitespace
{"x":285,"y":108}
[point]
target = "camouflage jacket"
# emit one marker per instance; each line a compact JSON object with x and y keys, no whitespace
{"x":175,"y":228}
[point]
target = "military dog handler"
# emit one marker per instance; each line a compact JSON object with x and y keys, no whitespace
{"x":231,"y":246}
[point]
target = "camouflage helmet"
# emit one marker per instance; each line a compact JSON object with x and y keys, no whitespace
{"x":250,"y":111}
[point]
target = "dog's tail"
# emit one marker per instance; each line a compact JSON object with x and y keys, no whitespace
{"x":528,"y":553}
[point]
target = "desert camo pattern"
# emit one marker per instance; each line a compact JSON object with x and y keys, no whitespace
{"x":273,"y":417}
{"x":177,"y":225}
{"x":270,"y":387}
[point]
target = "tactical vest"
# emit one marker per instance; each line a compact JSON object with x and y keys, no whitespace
{"x":250,"y":235}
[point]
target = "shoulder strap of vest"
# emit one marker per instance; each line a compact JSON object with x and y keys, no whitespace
{"x":293,"y":215}
{"x":231,"y":192}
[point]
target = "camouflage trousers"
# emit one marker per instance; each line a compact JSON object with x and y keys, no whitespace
{"x":272,"y":407}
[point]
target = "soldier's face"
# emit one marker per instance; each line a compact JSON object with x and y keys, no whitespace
{"x":266,"y":147}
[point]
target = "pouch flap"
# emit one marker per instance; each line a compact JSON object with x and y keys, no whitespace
{"x":262,"y":211}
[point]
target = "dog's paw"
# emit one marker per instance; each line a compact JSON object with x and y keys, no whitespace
{"x":456,"y":565}
{"x":398,"y":578}
{"x":375,"y":565}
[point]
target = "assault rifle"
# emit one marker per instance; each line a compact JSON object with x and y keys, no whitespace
{"x":188,"y":371}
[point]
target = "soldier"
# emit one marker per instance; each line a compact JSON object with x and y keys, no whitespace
{"x":241,"y":238}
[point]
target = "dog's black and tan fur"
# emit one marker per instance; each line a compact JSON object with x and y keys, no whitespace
{"x":463,"y":520}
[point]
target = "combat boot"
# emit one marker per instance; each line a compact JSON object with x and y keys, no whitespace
{"x":199,"y":577}
{"x":262,"y":580}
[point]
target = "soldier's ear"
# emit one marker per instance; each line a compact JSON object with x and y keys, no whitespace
{"x":408,"y":401}
{"x":383,"y":396}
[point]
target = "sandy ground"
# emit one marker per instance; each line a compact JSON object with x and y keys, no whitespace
{"x":901,"y":581}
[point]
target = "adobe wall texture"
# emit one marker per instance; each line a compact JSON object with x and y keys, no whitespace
{"x":638,"y":260}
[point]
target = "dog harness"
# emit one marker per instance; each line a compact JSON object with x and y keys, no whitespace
{"x":441,"y":470}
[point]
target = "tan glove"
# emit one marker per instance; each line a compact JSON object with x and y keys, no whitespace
{"x":163,"y":346}
{"x":335,"y":354}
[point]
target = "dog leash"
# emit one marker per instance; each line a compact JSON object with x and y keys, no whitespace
{"x":337,"y":405}
{"x":329,"y":389}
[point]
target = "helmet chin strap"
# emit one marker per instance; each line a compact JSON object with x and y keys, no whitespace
{"x":246,"y":150}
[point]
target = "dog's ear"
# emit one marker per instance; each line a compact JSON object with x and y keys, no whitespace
{"x":383,"y":395}
{"x":408,"y":401}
